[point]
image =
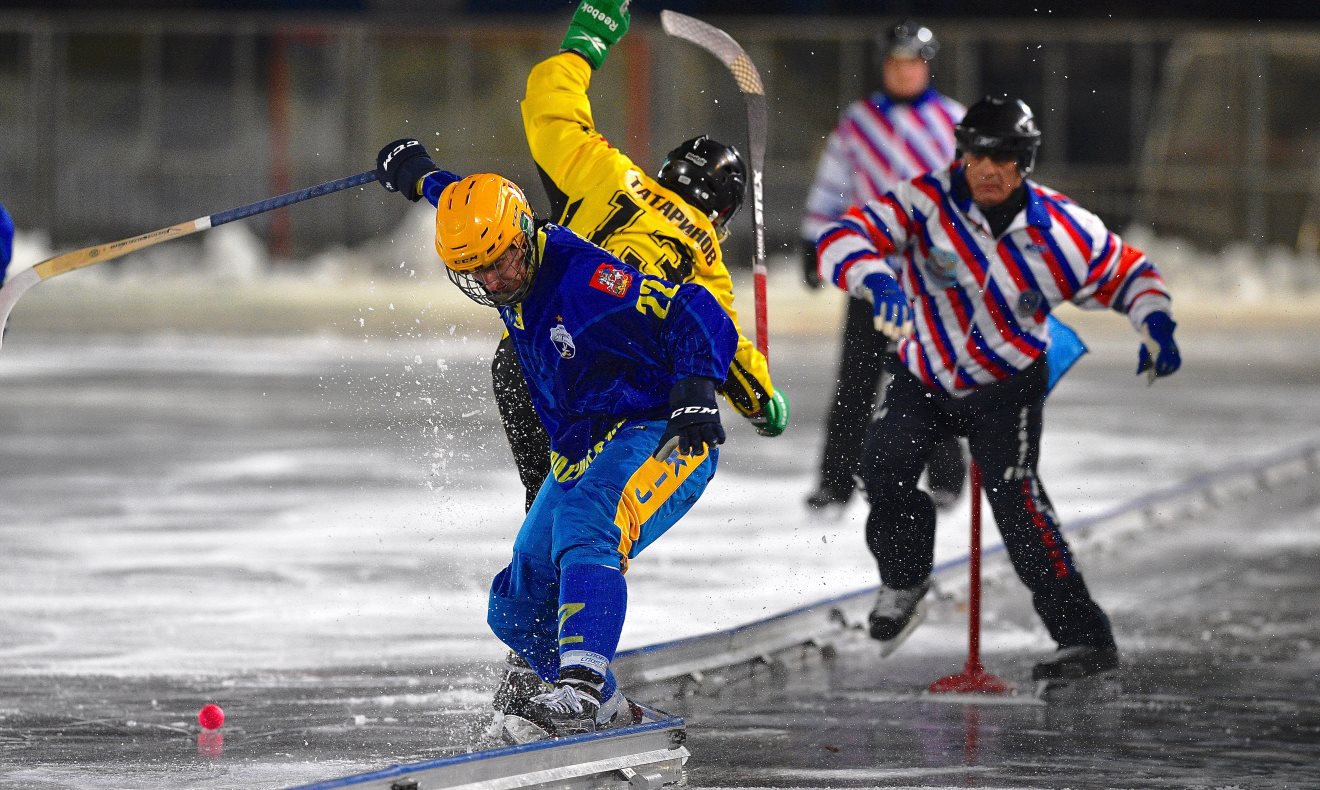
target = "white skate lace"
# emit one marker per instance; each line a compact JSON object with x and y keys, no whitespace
{"x":564,"y":699}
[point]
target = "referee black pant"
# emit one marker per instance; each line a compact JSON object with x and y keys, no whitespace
{"x":1002,"y":423}
{"x":861,"y":366}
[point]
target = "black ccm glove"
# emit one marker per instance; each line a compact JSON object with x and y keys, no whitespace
{"x":694,"y":419}
{"x":401,"y":164}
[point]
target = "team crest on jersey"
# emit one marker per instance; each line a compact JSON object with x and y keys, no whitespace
{"x":563,"y":341}
{"x":612,"y":281}
{"x":942,"y":266}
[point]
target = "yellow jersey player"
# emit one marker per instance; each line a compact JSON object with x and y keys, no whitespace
{"x":669,"y":226}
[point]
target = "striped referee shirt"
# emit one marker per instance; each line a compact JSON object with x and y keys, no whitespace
{"x":878,"y":143}
{"x":980,"y":302}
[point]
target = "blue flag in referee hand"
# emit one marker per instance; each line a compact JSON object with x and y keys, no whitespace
{"x":1065,"y":348}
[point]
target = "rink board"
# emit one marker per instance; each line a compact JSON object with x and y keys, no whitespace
{"x":816,"y":627}
{"x":646,"y":755}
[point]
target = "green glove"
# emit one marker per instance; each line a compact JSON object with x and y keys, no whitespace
{"x":773,"y":418}
{"x":597,"y":25}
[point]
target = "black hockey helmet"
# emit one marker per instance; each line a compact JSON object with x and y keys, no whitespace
{"x":707,"y":174}
{"x":1000,"y":127}
{"x":908,"y":39}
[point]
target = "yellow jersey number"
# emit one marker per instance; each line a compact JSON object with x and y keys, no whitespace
{"x":654,"y":298}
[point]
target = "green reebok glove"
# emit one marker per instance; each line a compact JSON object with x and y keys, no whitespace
{"x":597,"y":25}
{"x":773,"y":418}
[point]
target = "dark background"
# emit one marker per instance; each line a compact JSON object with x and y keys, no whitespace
{"x":1302,"y":10}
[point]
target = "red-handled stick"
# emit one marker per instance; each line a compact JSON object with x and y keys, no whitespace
{"x":973,"y":678}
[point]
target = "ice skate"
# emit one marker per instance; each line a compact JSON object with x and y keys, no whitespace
{"x":895,"y":614}
{"x":566,"y":710}
{"x":1075,"y":662}
{"x":618,"y":711}
{"x":518,"y":686}
{"x":1078,"y":672}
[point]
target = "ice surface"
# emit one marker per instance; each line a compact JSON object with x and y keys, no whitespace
{"x":289,"y":502}
{"x":192,"y":504}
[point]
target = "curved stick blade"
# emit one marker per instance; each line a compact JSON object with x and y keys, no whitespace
{"x":12,"y":292}
{"x":719,"y":44}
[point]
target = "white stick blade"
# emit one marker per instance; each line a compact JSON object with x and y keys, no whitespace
{"x":12,"y":292}
{"x":719,"y":44}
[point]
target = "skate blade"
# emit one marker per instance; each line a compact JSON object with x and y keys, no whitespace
{"x":495,"y":730}
{"x":890,"y":645}
{"x":1103,"y":687}
{"x":517,"y":730}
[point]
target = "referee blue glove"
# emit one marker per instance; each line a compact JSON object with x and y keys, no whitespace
{"x":893,"y":314}
{"x":1159,"y":353}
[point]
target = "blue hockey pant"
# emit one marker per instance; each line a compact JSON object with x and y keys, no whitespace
{"x":623,"y":502}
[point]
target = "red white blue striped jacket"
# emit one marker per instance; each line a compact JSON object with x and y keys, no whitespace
{"x":877,"y":143}
{"x":980,"y":303}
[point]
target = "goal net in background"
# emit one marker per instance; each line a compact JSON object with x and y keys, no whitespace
{"x":1233,"y":155}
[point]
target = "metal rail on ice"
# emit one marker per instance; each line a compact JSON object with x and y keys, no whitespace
{"x":645,"y":756}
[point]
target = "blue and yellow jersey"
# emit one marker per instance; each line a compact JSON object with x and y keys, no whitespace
{"x":6,"y":241}
{"x":599,"y":193}
{"x":602,"y":343}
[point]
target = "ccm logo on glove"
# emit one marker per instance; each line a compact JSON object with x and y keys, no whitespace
{"x":694,"y":410}
{"x":403,"y":162}
{"x":694,"y":419}
{"x":388,"y":161}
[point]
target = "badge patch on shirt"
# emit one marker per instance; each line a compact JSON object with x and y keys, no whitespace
{"x":563,"y":341}
{"x":612,"y":281}
{"x":1029,"y":302}
{"x":942,"y":266}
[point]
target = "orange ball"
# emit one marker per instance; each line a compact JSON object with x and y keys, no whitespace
{"x":211,"y":716}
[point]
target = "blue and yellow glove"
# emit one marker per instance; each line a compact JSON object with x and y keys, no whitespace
{"x":597,"y":25}
{"x":1159,"y":354}
{"x":773,"y":418}
{"x":893,"y":313}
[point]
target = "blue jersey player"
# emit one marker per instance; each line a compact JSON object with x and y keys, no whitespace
{"x":622,"y":369}
{"x":6,"y":241}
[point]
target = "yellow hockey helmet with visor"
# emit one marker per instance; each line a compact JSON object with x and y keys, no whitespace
{"x":478,"y":219}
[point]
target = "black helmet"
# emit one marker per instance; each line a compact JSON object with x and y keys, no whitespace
{"x":707,"y":174}
{"x":909,"y":39}
{"x":1002,"y":127}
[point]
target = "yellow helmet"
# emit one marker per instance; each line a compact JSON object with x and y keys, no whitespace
{"x":477,"y":218}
